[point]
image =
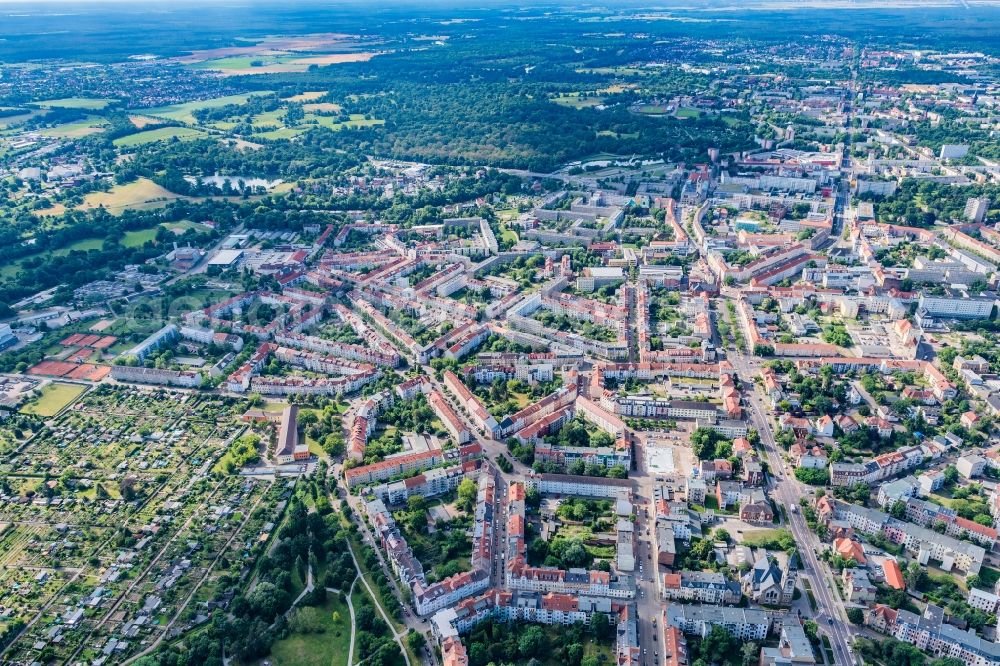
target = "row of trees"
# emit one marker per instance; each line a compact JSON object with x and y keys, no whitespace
{"x":497,"y":642}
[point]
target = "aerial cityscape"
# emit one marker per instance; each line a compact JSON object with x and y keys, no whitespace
{"x":550,"y":335}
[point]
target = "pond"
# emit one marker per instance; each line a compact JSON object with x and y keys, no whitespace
{"x":235,"y":182}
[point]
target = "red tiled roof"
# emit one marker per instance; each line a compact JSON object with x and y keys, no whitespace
{"x":893,"y":575}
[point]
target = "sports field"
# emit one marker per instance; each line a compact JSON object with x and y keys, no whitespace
{"x":54,"y":397}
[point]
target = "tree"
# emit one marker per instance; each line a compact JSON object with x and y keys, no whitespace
{"x":947,"y":661}
{"x":751,"y":654}
{"x":467,"y":492}
{"x":813,"y":476}
{"x":333,"y":444}
{"x":855,"y":615}
{"x":950,"y":475}
{"x":718,"y":645}
{"x":417,"y":503}
{"x":574,"y":654}
{"x":532,"y":643}
{"x":416,"y":640}
{"x":267,"y":601}
{"x":915,"y":576}
{"x":601,"y":626}
{"x":898,"y":510}
{"x":897,"y":653}
{"x":704,"y":442}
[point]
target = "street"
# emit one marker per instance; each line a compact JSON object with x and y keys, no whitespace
{"x":786,"y":492}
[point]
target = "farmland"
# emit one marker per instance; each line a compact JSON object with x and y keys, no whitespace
{"x":182,"y":112}
{"x":278,"y":64}
{"x":75,"y":130}
{"x":142,"y":193}
{"x":158,"y":134}
{"x":88,"y":103}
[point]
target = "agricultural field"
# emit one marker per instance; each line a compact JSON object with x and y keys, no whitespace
{"x":279,"y":63}
{"x":309,"y":96}
{"x":158,"y":134}
{"x":76,"y":130}
{"x":88,"y":103}
{"x":182,"y":112}
{"x":8,"y":122}
{"x":142,"y":194}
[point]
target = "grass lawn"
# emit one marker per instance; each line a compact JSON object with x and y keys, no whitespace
{"x":283,"y":133}
{"x":138,"y":237}
{"x":83,"y":245}
{"x":360,"y":590}
{"x":360,"y":598}
{"x":591,"y":648}
{"x":989,"y":576}
{"x":141,"y":236}
{"x":316,"y":638}
{"x":576,"y":101}
{"x":809,"y":593}
{"x":269,"y":119}
{"x":79,"y":246}
{"x":91,"y":103}
{"x":90,"y":494}
{"x":764,"y":538}
{"x":181,"y":226}
{"x":54,"y":397}
{"x":356,"y":120}
{"x":141,"y":194}
{"x":182,"y":112}
{"x":685,"y":112}
{"x":159,"y":134}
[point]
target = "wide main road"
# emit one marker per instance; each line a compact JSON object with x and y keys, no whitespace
{"x":787,"y":491}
